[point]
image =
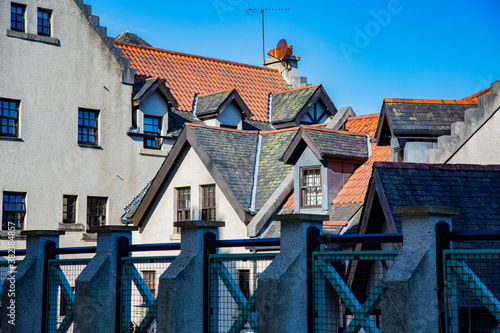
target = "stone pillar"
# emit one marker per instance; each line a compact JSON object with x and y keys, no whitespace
{"x":26,"y":307}
{"x":282,"y":295}
{"x":180,"y":300}
{"x":409,"y":299}
{"x":96,"y":287}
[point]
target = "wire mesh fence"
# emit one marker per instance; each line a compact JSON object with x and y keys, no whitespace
{"x":347,"y":287}
{"x":61,"y":293}
{"x":472,"y":290}
{"x":233,"y":281}
{"x":140,"y":279}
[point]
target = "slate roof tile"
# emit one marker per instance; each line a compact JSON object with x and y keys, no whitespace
{"x":287,"y":105}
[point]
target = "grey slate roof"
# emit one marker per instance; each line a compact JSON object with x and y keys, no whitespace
{"x":233,"y":154}
{"x":210,"y":104}
{"x":176,"y":119}
{"x":272,"y":170}
{"x":140,"y":88}
{"x":472,"y":188}
{"x":287,"y":105}
{"x":424,"y":118}
{"x":335,"y":143}
{"x":252,"y":125}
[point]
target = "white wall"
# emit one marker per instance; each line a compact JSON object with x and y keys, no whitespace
{"x":52,"y":82}
{"x":190,"y":171}
{"x":230,"y":116}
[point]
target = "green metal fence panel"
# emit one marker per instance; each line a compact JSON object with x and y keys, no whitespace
{"x":233,"y":280}
{"x":140,"y":279}
{"x":6,"y":270}
{"x":347,"y":288}
{"x":61,"y":293}
{"x":472,"y":290}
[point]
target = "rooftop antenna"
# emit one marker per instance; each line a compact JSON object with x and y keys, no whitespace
{"x":262,"y":10}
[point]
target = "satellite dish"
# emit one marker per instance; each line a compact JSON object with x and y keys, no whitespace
{"x":282,"y":50}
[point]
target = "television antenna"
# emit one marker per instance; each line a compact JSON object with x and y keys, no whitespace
{"x":262,"y":11}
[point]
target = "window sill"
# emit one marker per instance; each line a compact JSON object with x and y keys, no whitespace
{"x":89,"y":237}
{"x":33,"y":37}
{"x":153,"y":152}
{"x":4,"y":234}
{"x":71,"y":226}
{"x":83,"y":145}
{"x":10,"y":138}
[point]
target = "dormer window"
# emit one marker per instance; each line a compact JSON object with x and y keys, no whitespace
{"x":310,"y":187}
{"x":152,"y":132}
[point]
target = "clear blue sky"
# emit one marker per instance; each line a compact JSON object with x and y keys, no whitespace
{"x":361,"y":51}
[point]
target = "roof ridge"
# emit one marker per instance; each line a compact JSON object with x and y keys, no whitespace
{"x":429,"y":166}
{"x":332,"y":131}
{"x":479,"y":93}
{"x":428,"y":101}
{"x":197,"y":56}
{"x":215,"y":93}
{"x":300,"y":88}
{"x":371,"y":115}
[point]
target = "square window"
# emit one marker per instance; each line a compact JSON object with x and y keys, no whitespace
{"x":9,"y":117}
{"x":69,"y":208}
{"x":310,"y":187}
{"x":208,"y":202}
{"x":14,"y":210}
{"x":17,"y":16}
{"x":96,"y":212}
{"x":152,"y":132}
{"x":87,"y":126}
{"x":43,"y":19}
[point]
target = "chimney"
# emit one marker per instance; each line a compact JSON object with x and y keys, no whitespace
{"x":282,"y":59}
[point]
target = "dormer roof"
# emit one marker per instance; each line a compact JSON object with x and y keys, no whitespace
{"x":326,"y":143}
{"x":289,"y":107}
{"x":143,"y":89}
{"x":213,"y":104}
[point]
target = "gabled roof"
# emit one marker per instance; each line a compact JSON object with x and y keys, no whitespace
{"x":143,"y":89}
{"x":474,"y":189}
{"x":327,"y":143}
{"x":212,"y":104}
{"x":186,"y":74}
{"x":289,"y":107}
{"x":419,"y":118}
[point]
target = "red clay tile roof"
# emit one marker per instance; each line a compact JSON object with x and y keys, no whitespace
{"x":186,"y":74}
{"x":469,"y":100}
{"x":354,"y":191}
{"x":473,"y":98}
{"x":289,"y":204}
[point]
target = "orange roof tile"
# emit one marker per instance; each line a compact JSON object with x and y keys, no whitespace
{"x":473,"y":98}
{"x":429,"y":101}
{"x":366,"y":124}
{"x":186,"y":74}
{"x":289,"y":204}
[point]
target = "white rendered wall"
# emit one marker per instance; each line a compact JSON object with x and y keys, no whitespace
{"x":230,"y":116}
{"x":52,"y":82}
{"x":189,"y":172}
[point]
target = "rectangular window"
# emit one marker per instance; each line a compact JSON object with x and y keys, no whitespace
{"x":69,"y":208}
{"x":87,"y":126}
{"x":310,"y":187}
{"x":14,"y":210}
{"x":96,"y":212}
{"x":152,"y":131}
{"x":244,"y":282}
{"x":208,"y":202}
{"x":149,"y":279}
{"x":17,"y":16}
{"x":183,"y":204}
{"x":9,"y":117}
{"x":44,"y":21}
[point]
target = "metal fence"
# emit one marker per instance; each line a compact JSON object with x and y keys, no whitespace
{"x":472,"y":290}
{"x":140,"y":279}
{"x":61,"y":293}
{"x":347,"y":288}
{"x":233,"y":281}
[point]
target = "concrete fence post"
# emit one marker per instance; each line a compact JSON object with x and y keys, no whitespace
{"x":282,"y":296}
{"x":97,"y":287}
{"x":409,"y":299}
{"x":23,"y":298}
{"x":182,"y":301}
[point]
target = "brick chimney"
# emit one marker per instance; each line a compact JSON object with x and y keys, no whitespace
{"x":282,"y":59}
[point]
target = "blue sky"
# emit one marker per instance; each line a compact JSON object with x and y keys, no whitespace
{"x":362,"y":52}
